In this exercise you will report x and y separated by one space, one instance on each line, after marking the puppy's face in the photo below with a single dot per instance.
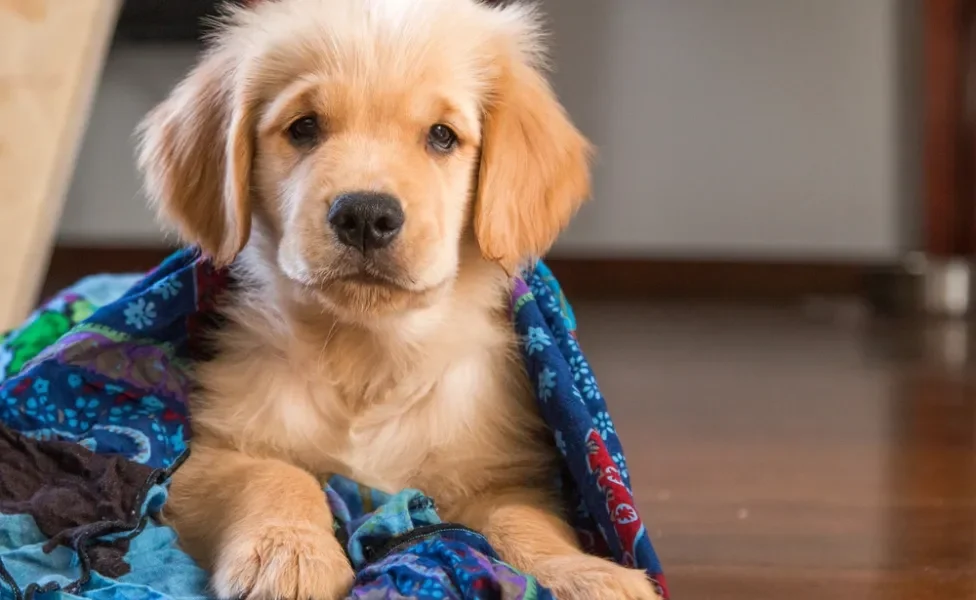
366 179
368 141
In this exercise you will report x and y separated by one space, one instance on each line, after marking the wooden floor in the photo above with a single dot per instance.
782 453
794 454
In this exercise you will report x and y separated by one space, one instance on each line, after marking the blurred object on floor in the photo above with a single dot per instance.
50 57
948 199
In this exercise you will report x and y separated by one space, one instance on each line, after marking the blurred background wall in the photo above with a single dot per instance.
747 129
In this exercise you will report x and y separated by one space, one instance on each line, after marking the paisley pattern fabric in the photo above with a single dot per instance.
104 364
604 512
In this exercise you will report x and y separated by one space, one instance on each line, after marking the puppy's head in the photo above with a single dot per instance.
368 141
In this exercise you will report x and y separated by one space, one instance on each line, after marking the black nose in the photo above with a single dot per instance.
366 220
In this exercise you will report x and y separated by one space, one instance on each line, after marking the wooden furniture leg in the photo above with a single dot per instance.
51 53
948 203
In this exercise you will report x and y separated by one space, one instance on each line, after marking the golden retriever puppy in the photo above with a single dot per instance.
375 170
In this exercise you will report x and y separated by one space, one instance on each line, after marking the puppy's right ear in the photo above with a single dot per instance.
195 154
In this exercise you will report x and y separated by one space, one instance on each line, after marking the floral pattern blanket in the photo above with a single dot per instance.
93 421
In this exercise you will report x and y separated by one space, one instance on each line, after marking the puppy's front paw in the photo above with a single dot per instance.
300 562
592 578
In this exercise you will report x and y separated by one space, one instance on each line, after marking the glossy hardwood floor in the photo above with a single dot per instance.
795 453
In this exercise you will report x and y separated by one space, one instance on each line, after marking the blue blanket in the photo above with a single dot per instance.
93 421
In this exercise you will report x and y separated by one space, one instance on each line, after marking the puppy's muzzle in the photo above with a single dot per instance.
366 220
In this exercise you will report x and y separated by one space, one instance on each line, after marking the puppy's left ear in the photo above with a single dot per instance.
534 171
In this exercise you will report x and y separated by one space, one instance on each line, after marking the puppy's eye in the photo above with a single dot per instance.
305 131
442 138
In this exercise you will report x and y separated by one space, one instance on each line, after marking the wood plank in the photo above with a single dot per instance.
51 52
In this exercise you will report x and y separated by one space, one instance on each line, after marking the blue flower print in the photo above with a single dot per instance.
87 406
537 340
174 440
41 385
167 288
431 588
140 314
621 465
590 389
577 395
553 305
579 367
574 347
84 409
177 441
75 418
560 442
39 408
117 413
74 380
9 406
538 287
603 424
547 383
151 403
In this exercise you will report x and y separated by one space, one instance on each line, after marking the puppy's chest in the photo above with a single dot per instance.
380 432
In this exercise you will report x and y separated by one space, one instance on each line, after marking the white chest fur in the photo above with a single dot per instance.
380 424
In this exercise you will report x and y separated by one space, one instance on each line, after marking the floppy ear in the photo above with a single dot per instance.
534 168
195 155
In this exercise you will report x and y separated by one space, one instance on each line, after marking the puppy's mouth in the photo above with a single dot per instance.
366 278
366 273
357 286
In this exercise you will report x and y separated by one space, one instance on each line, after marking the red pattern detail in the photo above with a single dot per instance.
662 586
22 385
620 502
209 282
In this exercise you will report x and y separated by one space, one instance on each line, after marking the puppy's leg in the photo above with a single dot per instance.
262 526
525 530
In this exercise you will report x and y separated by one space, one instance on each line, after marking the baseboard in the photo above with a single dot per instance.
584 278
726 280
69 263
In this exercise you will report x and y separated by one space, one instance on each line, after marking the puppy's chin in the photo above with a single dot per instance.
360 299
355 291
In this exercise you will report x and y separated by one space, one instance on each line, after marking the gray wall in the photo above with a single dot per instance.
732 127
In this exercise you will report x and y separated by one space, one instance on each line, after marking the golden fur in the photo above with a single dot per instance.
397 372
